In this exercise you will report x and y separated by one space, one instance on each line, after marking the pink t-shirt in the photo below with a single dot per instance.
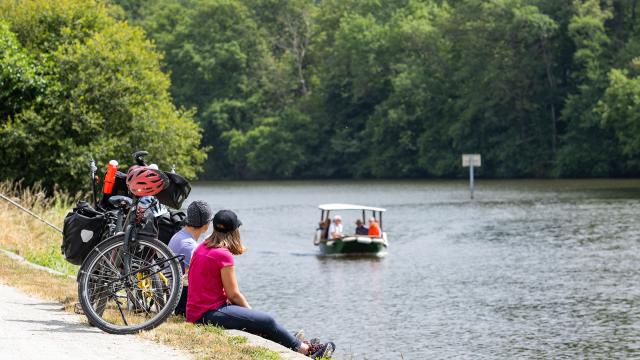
205 282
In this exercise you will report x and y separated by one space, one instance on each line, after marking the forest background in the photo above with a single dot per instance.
265 89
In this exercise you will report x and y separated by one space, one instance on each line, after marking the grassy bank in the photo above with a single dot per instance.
40 244
28 237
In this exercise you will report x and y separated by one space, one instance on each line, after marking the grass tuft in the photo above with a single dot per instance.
237 340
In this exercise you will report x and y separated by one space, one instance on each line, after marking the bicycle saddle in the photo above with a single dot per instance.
120 201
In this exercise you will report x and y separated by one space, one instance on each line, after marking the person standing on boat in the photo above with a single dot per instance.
184 242
335 229
360 228
374 228
214 296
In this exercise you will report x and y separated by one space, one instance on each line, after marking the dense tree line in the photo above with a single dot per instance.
320 88
78 81
401 88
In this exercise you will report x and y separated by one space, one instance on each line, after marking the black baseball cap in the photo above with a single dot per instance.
226 221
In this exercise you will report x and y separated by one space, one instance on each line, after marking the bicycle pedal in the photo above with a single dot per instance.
77 308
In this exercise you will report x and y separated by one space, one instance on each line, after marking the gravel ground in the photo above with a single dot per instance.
32 328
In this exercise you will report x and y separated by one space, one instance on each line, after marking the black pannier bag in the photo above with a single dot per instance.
169 224
81 232
176 193
148 227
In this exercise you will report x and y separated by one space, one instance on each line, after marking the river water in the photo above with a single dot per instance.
542 269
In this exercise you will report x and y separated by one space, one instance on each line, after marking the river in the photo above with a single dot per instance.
544 269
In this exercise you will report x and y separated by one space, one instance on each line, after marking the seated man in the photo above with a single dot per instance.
335 230
199 216
360 228
374 228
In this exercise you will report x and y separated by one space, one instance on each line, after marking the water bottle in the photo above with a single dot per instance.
110 177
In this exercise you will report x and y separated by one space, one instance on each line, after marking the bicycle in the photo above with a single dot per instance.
130 281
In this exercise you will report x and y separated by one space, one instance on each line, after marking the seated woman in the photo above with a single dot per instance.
214 297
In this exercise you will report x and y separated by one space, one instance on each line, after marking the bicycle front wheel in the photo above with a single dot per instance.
125 302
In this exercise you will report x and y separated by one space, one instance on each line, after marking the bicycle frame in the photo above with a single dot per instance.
130 233
130 238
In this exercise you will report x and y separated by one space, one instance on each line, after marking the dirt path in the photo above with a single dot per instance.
32 328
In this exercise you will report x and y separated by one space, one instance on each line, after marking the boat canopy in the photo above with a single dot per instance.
332 207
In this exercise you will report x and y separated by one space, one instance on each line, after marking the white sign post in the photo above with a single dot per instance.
471 160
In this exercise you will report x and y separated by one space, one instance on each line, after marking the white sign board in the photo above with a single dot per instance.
471 159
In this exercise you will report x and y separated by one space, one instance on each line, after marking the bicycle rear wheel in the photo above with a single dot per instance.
124 303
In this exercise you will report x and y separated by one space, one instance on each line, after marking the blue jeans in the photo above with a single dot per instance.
252 321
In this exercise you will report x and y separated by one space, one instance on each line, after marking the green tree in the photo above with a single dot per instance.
620 109
502 85
277 145
290 29
355 78
104 95
407 134
21 78
219 63
589 149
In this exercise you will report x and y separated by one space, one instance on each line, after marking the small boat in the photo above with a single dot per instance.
350 243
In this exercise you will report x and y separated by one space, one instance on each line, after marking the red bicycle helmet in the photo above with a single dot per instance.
143 181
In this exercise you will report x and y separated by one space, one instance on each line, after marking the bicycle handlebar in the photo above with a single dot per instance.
138 157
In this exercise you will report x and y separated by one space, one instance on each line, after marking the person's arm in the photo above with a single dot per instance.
187 251
230 284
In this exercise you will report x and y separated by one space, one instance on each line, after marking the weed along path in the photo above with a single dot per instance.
34 328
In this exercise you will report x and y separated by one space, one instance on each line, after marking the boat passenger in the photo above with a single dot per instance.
335 230
214 296
374 228
324 227
199 215
360 228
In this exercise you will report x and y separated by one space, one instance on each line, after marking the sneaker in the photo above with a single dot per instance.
299 335
312 341
318 351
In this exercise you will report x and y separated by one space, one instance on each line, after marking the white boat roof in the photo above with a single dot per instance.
349 207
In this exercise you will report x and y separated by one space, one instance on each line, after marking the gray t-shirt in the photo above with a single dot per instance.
182 243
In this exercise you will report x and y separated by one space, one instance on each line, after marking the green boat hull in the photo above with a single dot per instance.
353 248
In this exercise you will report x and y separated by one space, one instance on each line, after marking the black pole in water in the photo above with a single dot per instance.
471 179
